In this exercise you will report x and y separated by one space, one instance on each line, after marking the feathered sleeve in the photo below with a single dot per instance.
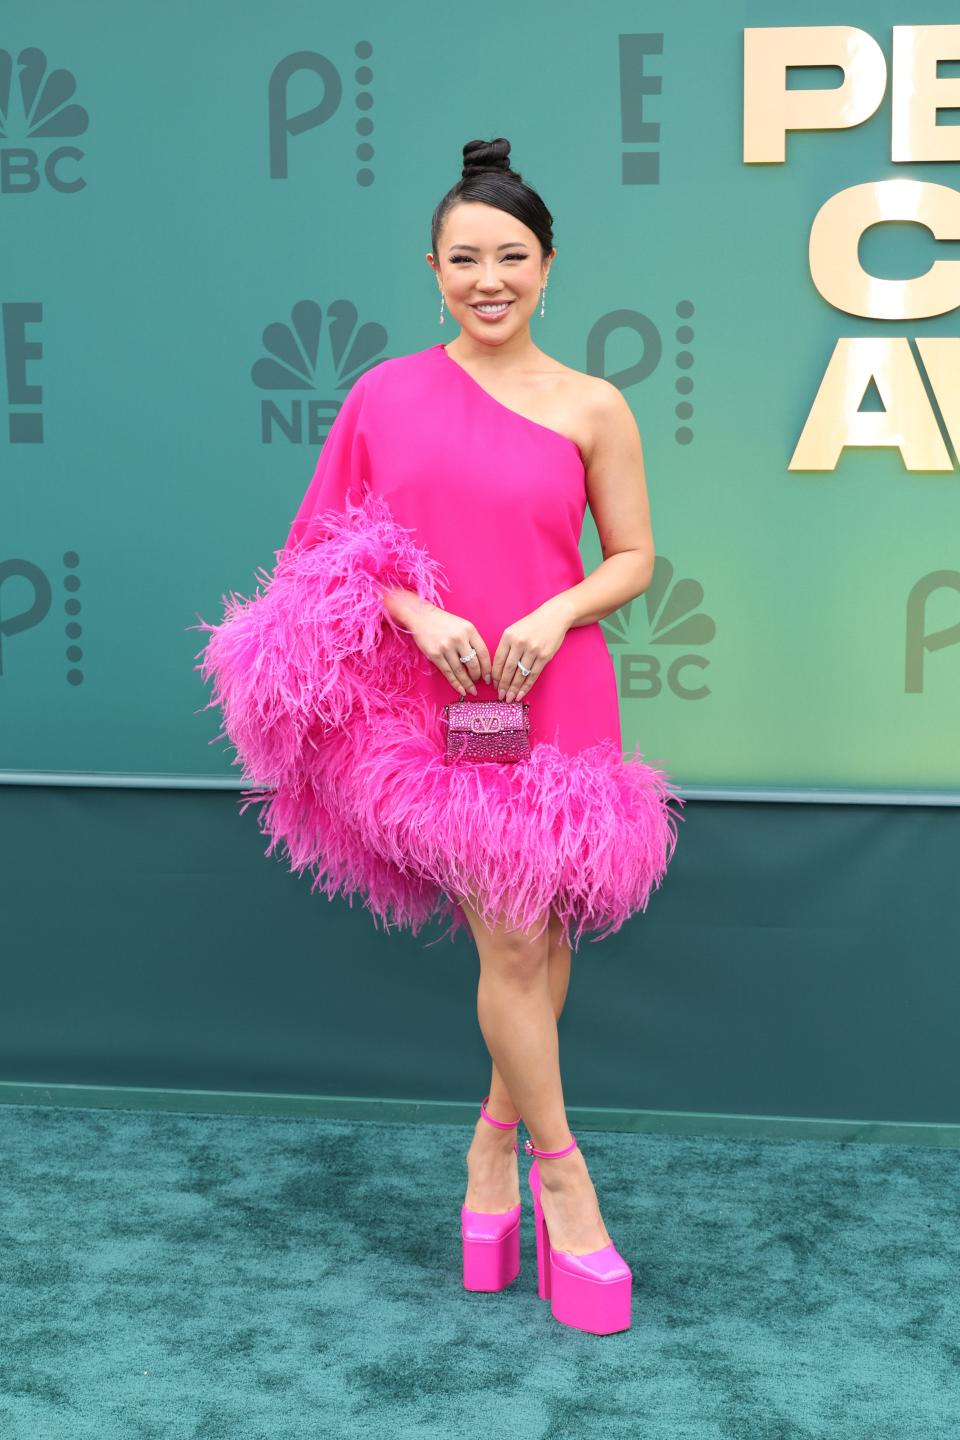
316 645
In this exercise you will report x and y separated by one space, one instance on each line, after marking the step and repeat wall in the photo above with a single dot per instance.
213 218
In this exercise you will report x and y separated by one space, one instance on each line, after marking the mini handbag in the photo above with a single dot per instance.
487 730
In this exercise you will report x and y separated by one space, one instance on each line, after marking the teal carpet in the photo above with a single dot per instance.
191 1277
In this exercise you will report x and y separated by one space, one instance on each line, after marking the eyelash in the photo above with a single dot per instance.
458 258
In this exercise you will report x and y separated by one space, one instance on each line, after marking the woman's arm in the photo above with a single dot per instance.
404 606
617 495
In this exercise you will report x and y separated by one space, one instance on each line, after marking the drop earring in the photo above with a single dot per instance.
542 294
442 298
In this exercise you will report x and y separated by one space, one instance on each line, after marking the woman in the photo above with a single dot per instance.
436 550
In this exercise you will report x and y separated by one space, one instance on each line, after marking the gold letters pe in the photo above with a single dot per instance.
770 110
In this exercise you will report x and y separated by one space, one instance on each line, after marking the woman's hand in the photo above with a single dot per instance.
443 637
535 639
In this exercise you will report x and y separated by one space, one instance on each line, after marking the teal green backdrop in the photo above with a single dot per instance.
166 223
182 183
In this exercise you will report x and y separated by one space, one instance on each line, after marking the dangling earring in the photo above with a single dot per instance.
442 298
542 293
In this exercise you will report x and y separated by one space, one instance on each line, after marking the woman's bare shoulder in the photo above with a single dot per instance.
595 406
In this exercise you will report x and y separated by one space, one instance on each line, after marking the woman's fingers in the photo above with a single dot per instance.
445 639
513 683
464 675
449 665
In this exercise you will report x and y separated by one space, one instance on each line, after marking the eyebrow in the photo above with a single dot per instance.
507 244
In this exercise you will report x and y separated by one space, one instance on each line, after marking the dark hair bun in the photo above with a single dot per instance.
486 155
489 179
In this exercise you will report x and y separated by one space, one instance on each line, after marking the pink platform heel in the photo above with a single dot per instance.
590 1292
491 1242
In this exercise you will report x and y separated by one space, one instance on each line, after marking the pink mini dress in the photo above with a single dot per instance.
427 482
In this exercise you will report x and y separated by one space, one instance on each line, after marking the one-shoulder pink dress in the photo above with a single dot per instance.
427 482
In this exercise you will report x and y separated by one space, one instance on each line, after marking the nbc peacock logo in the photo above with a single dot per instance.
37 107
674 618
309 367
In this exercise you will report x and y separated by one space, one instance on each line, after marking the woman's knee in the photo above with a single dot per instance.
516 959
515 953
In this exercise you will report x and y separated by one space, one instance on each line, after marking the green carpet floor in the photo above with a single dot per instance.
191 1277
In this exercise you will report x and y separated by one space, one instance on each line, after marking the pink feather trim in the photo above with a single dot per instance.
587 835
300 658
316 695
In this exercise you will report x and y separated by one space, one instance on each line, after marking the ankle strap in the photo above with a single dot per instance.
500 1124
549 1154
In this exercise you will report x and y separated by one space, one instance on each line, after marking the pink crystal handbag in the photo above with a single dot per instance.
487 730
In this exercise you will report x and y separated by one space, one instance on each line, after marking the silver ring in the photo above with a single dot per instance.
470 655
523 669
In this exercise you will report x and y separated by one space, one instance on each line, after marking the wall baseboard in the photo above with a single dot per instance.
453 1112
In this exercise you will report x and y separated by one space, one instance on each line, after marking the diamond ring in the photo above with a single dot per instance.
523 669
470 655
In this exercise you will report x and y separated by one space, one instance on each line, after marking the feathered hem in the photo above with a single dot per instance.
587 836
315 683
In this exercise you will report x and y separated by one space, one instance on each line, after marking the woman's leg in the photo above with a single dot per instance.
500 1104
493 1181
519 1024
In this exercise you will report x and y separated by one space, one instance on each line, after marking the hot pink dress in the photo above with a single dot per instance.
426 481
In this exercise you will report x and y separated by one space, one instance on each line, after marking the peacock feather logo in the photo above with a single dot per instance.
673 610
293 358
45 98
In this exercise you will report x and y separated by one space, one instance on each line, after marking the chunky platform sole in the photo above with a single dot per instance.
491 1243
590 1292
491 1249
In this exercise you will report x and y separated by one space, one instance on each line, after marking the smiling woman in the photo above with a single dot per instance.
436 553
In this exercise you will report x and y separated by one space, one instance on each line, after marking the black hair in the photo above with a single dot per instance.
487 179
